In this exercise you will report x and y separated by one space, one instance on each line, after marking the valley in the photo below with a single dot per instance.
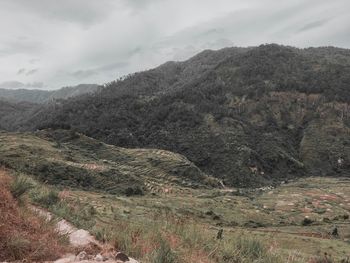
131 197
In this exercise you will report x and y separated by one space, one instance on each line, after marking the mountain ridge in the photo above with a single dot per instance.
248 116
44 96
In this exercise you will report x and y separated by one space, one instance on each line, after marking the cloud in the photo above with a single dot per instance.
27 72
74 41
32 71
313 25
21 71
11 85
21 45
83 12
19 85
80 74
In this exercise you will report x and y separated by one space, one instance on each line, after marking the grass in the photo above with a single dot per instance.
187 222
24 235
44 197
20 186
180 224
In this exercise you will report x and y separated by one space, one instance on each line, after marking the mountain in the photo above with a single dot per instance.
249 116
42 96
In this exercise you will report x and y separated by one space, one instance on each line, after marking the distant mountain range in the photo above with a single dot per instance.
249 116
42 96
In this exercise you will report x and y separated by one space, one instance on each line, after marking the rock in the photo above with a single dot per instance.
121 257
81 238
99 258
66 259
82 256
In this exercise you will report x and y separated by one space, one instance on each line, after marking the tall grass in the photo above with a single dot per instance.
20 186
24 235
44 197
169 239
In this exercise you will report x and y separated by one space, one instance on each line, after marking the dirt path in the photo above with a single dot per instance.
81 240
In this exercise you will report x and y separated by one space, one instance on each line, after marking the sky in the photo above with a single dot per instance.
48 44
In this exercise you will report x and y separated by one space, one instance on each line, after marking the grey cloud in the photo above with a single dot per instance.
32 71
34 60
21 71
112 66
313 25
90 72
19 85
23 46
80 74
11 85
98 41
27 72
77 11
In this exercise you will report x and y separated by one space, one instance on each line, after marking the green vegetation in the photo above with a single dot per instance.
68 159
20 186
44 197
177 219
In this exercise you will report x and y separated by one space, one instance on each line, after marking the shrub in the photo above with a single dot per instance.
307 221
20 186
45 197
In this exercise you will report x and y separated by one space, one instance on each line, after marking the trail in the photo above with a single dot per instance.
83 241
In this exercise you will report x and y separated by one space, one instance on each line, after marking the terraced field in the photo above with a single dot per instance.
277 215
73 160
117 192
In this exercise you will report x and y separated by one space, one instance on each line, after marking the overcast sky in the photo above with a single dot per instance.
48 44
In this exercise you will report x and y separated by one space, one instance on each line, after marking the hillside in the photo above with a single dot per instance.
155 205
68 159
249 116
24 235
42 96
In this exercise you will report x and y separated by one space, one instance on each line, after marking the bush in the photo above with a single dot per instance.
45 198
20 186
307 221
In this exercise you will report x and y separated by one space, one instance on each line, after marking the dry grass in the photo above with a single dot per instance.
23 235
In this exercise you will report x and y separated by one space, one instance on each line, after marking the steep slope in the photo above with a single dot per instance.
24 235
249 116
42 96
68 159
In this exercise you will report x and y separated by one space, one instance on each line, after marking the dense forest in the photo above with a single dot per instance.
249 116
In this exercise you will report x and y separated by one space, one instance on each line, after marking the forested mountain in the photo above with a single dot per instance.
249 116
42 96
